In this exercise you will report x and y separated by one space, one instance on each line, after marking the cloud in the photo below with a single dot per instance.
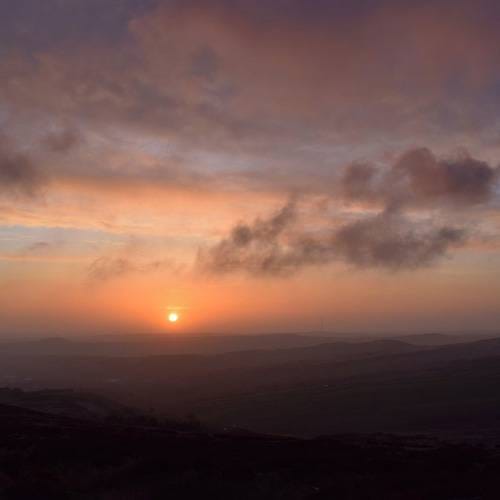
392 241
38 246
359 181
62 141
395 238
247 74
248 96
419 178
109 268
278 247
18 175
462 180
255 247
245 94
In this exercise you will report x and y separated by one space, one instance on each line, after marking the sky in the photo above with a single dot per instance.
253 166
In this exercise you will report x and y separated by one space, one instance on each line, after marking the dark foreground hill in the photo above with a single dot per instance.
64 402
56 457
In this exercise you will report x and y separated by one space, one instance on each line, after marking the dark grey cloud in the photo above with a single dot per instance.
462 180
392 241
278 247
256 248
358 182
18 174
419 178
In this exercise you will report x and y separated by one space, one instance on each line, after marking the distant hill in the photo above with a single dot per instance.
385 385
149 345
441 339
144 345
64 371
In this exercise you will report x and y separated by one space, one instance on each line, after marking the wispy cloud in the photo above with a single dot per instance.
107 268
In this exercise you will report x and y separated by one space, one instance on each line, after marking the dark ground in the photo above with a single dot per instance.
53 457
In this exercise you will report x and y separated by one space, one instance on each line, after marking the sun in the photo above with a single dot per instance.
173 317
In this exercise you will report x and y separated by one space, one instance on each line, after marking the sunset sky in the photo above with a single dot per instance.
253 166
